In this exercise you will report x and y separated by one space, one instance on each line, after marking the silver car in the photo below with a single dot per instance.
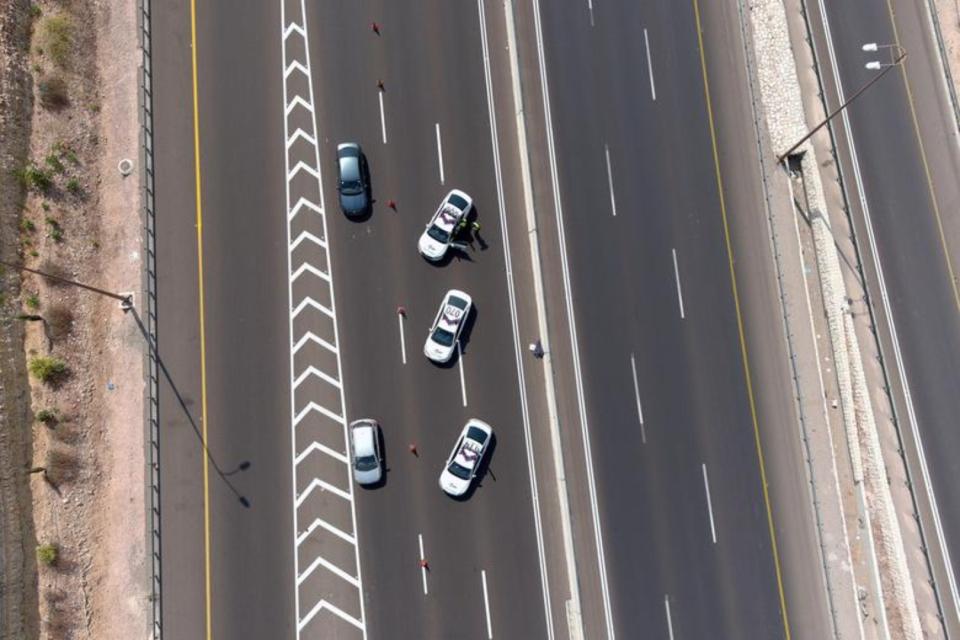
365 451
352 179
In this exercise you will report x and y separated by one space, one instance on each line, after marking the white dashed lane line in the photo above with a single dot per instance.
706 488
486 603
613 199
328 587
439 152
636 393
676 273
653 88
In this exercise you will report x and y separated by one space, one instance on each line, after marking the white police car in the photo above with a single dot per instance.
441 229
447 326
465 458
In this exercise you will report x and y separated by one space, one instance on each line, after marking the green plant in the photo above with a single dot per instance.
27 226
35 178
45 206
66 151
48 553
53 92
58 36
34 253
56 233
73 186
48 369
49 417
59 321
53 161
35 11
32 301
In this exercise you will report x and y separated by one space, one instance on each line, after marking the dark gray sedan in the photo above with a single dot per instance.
353 183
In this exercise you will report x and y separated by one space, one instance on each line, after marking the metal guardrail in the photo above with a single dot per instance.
149 282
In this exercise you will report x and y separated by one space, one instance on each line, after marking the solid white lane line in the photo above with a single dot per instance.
439 152
574 344
463 382
423 565
486 604
653 89
518 350
676 273
636 392
706 486
613 200
590 9
403 342
383 119
666 605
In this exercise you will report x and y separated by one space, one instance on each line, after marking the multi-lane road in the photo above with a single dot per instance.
901 165
280 322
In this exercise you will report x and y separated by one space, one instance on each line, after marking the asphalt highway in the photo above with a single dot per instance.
245 317
679 498
678 480
430 59
904 130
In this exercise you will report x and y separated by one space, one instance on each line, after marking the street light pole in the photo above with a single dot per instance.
126 303
843 106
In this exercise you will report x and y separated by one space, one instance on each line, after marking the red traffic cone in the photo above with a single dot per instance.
424 564
413 450
375 28
380 85
402 311
392 204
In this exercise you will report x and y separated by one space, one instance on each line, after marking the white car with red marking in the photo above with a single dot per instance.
446 327
465 458
442 228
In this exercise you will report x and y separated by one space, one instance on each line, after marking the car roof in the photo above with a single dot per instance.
348 149
447 217
363 435
468 453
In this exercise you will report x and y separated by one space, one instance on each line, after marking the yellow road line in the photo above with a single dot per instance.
926 165
203 345
743 341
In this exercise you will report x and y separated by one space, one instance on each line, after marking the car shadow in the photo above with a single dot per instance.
482 472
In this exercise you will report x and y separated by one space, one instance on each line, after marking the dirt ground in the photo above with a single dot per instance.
81 220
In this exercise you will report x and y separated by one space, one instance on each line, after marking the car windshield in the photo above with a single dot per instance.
438 234
366 463
442 337
459 470
351 187
458 202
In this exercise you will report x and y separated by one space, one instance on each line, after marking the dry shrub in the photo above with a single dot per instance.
56 270
62 466
59 321
57 621
53 92
58 38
